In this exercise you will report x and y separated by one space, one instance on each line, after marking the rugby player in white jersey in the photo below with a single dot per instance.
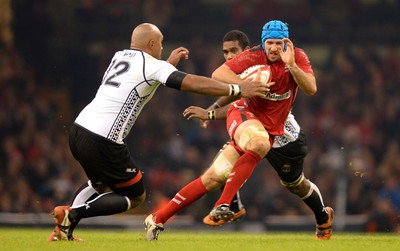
96 139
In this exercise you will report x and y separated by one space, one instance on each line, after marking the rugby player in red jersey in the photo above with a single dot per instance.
253 124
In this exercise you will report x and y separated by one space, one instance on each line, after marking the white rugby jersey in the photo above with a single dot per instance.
128 84
291 131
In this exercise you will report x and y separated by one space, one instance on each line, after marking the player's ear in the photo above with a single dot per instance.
151 44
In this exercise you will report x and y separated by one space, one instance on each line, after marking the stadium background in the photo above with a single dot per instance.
53 55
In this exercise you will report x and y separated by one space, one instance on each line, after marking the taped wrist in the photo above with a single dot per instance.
235 90
211 115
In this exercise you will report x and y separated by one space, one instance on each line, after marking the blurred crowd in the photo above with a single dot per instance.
53 55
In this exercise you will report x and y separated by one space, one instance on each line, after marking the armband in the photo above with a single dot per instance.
234 90
175 79
211 115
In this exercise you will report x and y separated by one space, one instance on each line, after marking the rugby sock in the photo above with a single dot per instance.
314 201
235 203
186 196
85 193
104 204
241 171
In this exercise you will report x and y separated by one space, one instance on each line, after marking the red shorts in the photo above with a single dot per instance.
237 115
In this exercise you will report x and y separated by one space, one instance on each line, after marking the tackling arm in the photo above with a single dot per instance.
221 101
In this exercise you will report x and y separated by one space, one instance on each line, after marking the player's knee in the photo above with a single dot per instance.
216 175
99 187
255 138
300 187
136 201
135 193
259 145
211 182
222 166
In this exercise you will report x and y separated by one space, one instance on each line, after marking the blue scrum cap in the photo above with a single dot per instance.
274 29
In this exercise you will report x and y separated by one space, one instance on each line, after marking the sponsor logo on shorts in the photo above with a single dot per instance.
286 168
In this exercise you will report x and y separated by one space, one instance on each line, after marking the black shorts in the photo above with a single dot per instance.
106 162
288 160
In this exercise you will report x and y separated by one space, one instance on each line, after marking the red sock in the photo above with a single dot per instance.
241 171
186 196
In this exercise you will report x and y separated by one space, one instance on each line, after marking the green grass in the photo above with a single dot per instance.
175 240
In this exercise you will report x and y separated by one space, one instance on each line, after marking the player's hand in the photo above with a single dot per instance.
255 87
195 112
178 54
287 56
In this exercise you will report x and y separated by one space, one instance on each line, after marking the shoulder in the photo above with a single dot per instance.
300 52
152 63
257 55
257 49
246 59
301 55
158 69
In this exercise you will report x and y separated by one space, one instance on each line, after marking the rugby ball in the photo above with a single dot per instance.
251 73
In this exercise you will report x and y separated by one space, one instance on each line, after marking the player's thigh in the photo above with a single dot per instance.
107 162
243 125
121 173
288 160
288 169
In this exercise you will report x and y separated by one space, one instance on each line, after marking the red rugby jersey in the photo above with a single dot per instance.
272 110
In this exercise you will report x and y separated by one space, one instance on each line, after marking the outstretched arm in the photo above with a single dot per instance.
211 87
225 74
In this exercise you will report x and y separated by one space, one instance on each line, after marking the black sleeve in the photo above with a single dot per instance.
175 79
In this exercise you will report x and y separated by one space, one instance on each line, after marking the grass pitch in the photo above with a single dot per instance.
175 240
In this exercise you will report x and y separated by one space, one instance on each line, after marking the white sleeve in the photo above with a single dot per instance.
158 70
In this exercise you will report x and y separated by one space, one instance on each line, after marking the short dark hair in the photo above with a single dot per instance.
237 35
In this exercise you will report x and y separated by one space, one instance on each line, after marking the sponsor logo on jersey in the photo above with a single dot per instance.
277 97
129 54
